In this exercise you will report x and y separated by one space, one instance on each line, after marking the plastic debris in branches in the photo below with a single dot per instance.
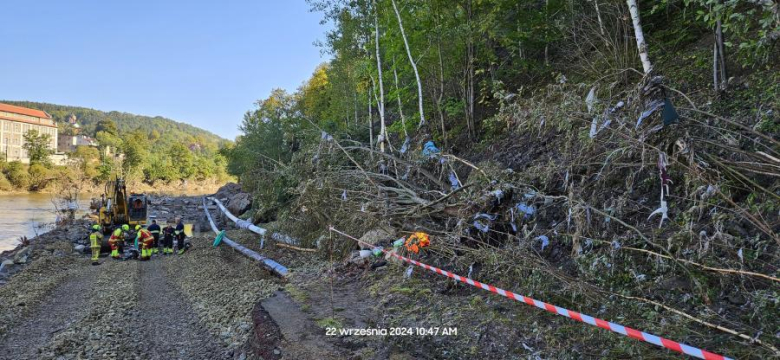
491 217
454 182
663 211
430 150
591 99
669 114
544 239
528 211
344 195
651 108
405 146
498 193
481 227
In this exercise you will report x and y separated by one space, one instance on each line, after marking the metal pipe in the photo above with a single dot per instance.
270 264
243 224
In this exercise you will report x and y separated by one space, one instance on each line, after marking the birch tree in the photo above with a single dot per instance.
381 103
633 8
414 64
400 103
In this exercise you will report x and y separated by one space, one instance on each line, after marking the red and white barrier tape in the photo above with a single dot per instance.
620 329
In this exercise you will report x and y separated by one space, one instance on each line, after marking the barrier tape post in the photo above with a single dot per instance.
620 329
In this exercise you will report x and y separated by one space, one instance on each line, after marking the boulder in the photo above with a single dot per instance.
375 236
21 256
79 248
239 204
228 191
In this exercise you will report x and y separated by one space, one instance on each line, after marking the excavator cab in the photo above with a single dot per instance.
137 210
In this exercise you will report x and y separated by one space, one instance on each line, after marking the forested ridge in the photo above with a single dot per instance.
615 157
89 119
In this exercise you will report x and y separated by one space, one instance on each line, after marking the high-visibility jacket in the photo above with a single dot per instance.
117 235
95 239
145 238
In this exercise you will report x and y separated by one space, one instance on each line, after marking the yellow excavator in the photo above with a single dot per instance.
117 208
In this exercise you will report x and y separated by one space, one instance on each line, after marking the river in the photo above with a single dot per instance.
28 215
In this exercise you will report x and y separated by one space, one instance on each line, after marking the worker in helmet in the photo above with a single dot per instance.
155 230
180 236
95 238
168 234
117 240
145 241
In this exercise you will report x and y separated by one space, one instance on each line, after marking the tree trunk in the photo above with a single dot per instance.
441 96
469 105
715 82
381 104
721 55
633 8
356 107
414 65
598 15
400 103
370 120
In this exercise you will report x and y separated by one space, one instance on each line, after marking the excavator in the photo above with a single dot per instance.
117 208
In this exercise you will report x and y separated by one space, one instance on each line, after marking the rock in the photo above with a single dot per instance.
277 352
376 235
22 254
239 204
228 190
79 248
6 263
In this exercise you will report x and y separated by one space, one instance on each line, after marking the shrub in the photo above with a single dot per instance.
5 185
16 174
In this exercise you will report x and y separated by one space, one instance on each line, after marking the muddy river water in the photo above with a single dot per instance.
28 215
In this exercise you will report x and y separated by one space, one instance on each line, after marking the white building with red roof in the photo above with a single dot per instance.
15 121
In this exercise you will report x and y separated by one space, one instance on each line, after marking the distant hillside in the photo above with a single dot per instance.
125 122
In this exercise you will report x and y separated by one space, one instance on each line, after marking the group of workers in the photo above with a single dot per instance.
146 240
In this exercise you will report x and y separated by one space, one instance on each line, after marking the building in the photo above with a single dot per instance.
68 143
15 121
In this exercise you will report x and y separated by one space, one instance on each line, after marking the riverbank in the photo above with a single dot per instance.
192 187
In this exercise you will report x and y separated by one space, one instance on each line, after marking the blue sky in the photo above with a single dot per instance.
203 62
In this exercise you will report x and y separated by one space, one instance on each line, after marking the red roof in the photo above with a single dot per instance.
24 111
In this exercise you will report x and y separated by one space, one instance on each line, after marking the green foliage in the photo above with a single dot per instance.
15 173
108 126
37 147
748 28
5 185
136 152
39 176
